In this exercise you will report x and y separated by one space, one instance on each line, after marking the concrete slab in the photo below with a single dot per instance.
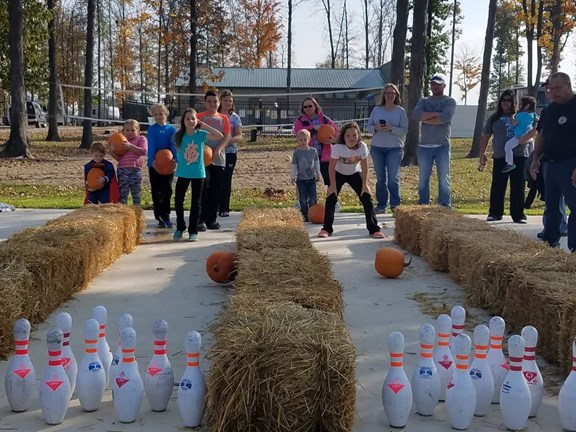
164 279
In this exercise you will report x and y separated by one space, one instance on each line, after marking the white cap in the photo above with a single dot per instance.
438 78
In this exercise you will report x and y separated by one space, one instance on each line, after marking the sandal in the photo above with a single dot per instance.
378 235
323 234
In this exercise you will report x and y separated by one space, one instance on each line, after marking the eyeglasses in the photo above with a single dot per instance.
307 106
507 100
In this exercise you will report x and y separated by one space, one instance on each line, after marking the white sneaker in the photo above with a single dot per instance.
337 208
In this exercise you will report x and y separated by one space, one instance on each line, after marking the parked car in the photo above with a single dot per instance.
35 114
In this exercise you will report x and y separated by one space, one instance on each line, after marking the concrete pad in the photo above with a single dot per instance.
166 279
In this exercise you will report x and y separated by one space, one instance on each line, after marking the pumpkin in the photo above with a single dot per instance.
221 266
117 141
207 155
325 133
92 179
389 262
164 164
316 214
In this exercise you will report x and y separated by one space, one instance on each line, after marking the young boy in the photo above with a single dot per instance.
523 122
100 195
305 172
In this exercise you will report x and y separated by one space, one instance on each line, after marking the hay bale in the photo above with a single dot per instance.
280 368
261 219
282 237
408 224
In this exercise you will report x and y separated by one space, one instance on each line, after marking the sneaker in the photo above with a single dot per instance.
192 237
323 234
521 221
493 218
338 207
177 235
540 235
168 223
213 226
508 168
378 235
161 224
224 214
202 226
380 210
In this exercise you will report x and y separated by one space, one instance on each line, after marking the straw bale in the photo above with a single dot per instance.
408 221
264 218
302 276
280 368
281 237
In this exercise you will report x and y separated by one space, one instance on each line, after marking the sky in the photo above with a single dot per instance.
311 45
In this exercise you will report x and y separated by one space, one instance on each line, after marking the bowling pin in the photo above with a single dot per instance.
192 388
128 387
515 399
458 316
567 397
480 371
531 370
100 314
426 380
64 323
91 378
54 385
442 355
20 378
124 320
159 380
496 358
461 393
396 391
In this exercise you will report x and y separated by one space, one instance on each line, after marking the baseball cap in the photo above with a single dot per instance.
438 78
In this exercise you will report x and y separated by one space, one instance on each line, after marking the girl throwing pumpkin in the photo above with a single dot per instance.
349 164
190 140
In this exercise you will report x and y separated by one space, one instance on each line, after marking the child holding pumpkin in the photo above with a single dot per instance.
190 140
133 148
99 175
160 137
349 164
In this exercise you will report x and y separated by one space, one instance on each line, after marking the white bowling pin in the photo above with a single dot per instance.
496 358
64 323
458 316
515 399
54 386
396 391
91 378
124 320
159 380
100 314
128 387
426 380
192 388
480 371
531 370
442 355
20 378
461 393
567 397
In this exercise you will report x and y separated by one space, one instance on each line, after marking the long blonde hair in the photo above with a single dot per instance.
397 98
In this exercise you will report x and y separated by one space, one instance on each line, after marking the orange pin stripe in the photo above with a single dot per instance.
195 356
479 356
91 350
461 366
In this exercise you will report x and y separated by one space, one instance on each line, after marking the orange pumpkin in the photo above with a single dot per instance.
164 164
117 141
92 179
207 155
316 214
325 133
221 266
389 262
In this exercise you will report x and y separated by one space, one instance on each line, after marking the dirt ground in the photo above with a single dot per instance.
62 163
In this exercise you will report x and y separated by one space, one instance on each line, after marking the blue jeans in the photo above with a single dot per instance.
306 195
387 166
564 223
426 158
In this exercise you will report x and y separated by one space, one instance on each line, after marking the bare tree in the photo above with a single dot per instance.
193 50
485 80
417 71
88 76
366 22
468 63
326 4
53 134
17 145
399 44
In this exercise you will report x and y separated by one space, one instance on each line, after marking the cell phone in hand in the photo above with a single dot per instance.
383 122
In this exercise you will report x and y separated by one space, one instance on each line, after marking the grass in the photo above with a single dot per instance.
470 188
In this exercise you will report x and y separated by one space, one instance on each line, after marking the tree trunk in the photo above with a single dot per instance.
289 65
193 51
529 12
88 76
415 87
454 10
399 45
539 53
485 79
366 30
328 10
53 134
17 145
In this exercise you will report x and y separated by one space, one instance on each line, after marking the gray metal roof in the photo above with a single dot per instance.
275 78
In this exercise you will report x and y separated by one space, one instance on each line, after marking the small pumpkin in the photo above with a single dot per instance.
390 262
117 141
92 179
164 164
221 266
207 155
325 133
316 214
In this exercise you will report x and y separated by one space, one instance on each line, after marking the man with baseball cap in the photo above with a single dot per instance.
435 113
